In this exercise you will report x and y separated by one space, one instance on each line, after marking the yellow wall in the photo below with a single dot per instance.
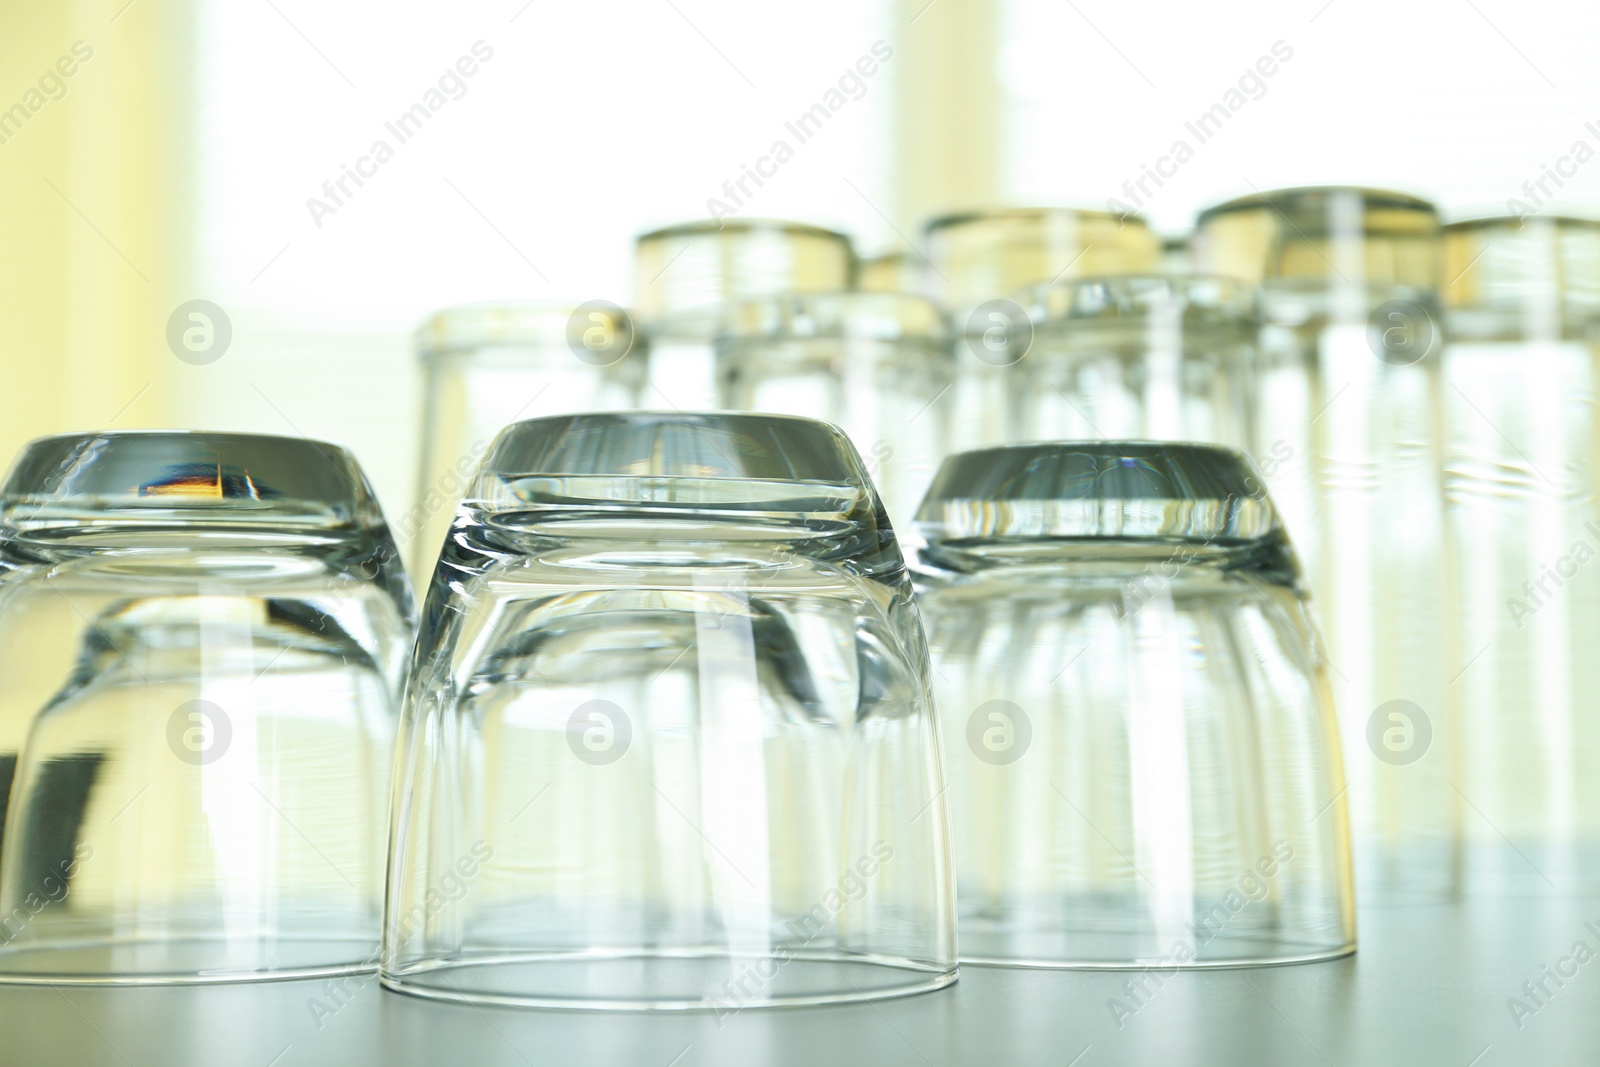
948 111
93 188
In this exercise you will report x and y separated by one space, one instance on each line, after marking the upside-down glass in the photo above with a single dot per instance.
487 365
892 272
877 364
1140 740
668 741
1350 426
979 260
202 642
685 277
1148 357
1522 343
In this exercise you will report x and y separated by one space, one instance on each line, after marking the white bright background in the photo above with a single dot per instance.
595 121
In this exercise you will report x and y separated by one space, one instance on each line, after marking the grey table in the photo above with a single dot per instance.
1431 985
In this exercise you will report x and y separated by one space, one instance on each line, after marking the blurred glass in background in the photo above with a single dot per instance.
488 365
979 261
877 364
687 276
1349 398
1523 338
1140 357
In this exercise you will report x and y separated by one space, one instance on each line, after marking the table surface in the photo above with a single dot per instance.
1432 984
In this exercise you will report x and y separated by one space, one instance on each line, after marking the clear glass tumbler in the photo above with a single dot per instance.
977 262
1349 430
891 272
1145 357
1522 345
685 277
877 364
202 640
487 365
1143 756
668 739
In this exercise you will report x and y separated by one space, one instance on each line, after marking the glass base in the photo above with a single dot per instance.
1128 951
184 962
718 983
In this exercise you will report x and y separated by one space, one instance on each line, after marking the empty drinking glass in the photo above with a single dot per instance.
1522 342
892 272
877 364
668 741
982 255
487 365
977 261
1141 744
685 276
202 641
1147 357
1350 420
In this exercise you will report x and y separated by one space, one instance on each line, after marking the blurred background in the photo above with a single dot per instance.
179 159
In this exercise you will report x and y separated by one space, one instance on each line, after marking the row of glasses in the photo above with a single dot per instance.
1421 398
1317 342
668 735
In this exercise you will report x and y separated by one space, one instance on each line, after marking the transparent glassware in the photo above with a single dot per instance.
1141 744
1146 357
1349 433
202 638
879 365
892 272
977 262
1175 257
488 365
1522 341
668 739
685 277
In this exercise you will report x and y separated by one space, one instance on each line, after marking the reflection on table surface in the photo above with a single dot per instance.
1434 983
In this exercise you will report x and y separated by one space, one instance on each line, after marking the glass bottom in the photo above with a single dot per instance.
638 981
1111 950
190 961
